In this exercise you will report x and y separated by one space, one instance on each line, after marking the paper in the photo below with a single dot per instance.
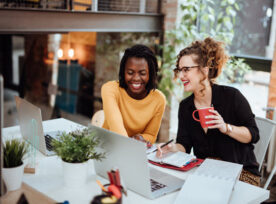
178 159
220 169
199 189
151 149
214 181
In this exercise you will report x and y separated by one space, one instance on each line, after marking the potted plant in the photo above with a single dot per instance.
14 151
75 149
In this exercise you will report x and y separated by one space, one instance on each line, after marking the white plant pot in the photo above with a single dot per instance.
74 174
13 177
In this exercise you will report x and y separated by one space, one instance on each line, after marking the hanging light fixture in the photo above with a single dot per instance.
60 53
71 53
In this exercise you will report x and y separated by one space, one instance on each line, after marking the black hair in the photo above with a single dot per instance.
140 51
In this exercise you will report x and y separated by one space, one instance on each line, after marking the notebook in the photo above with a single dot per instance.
129 156
214 181
178 159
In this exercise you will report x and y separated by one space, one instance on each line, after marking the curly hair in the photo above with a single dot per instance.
140 51
209 53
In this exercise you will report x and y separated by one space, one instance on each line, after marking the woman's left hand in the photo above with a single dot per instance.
217 120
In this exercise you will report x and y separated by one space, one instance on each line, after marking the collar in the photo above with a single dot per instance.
215 97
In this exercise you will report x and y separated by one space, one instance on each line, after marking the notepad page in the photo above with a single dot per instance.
199 189
152 157
220 169
212 182
177 159
151 149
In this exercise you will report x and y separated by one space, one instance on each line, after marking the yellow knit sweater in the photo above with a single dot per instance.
128 116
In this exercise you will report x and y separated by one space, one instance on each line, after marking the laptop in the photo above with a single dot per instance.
129 156
30 121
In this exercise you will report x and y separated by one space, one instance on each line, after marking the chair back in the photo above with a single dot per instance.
98 118
266 130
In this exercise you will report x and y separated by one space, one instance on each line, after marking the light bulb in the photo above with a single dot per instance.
60 53
71 53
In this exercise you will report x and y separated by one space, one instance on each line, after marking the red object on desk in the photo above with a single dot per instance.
184 168
115 191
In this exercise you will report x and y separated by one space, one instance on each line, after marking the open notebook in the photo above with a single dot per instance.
212 182
178 159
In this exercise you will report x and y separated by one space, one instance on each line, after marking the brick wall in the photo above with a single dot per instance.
35 69
272 84
169 9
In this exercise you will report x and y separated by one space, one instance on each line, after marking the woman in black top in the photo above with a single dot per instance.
234 131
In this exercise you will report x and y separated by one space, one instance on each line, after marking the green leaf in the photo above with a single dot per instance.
237 6
14 150
77 146
231 1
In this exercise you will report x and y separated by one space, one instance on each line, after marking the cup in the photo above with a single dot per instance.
202 112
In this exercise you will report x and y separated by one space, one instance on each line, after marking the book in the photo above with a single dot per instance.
214 181
178 159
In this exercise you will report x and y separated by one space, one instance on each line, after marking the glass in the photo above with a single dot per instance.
184 69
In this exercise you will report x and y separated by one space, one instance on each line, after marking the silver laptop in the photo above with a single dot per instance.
30 121
129 156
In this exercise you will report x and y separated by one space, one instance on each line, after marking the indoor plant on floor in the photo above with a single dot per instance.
14 150
75 149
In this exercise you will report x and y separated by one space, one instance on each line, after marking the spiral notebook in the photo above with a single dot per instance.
214 181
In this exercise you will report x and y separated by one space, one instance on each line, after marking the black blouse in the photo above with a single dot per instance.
235 110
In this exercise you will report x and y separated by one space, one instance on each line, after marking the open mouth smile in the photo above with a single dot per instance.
136 86
186 82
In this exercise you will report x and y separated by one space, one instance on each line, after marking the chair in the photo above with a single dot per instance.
270 177
98 118
266 130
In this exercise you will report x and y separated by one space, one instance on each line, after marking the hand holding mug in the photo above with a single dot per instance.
217 121
202 113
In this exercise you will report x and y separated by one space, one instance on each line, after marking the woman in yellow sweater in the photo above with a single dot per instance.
133 106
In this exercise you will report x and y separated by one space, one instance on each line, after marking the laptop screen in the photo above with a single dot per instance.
126 154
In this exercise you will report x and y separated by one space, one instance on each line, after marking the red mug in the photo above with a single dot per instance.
202 112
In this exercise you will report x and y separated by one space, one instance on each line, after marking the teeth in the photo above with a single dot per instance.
136 85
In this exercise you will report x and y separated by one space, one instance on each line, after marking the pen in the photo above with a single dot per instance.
101 185
163 145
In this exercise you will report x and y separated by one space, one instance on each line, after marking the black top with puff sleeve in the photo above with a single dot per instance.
235 110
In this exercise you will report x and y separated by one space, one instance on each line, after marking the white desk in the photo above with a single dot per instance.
48 177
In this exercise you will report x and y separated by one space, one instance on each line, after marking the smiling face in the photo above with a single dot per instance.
190 75
136 77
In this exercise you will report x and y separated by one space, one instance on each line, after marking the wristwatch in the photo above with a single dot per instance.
228 128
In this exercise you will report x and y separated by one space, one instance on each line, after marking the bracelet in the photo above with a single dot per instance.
228 128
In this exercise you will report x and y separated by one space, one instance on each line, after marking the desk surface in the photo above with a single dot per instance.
48 177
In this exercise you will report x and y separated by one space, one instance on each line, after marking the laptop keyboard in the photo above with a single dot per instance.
48 140
156 185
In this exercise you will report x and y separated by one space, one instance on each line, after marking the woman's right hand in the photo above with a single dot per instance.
164 150
172 147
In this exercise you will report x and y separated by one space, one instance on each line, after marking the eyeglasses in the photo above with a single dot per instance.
184 69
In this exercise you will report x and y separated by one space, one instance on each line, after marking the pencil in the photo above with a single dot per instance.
163 145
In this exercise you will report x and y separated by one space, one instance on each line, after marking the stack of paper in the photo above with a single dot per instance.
212 182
